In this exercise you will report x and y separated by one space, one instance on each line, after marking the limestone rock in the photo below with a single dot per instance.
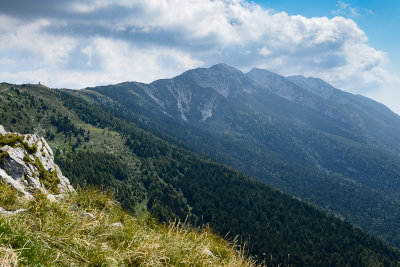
28 165
117 224
6 212
207 252
88 215
2 130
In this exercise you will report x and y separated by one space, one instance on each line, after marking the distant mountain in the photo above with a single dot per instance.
325 146
377 119
376 123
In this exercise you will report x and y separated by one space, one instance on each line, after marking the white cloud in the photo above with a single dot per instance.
265 51
341 8
148 39
26 44
119 62
88 51
345 9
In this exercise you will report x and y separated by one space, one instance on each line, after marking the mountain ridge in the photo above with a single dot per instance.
328 147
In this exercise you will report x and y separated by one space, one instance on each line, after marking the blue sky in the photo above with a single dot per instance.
379 19
78 43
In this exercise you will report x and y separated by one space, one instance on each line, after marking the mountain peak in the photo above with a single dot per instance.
261 71
223 66
224 79
314 85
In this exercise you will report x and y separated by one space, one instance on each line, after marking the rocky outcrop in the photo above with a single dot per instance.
27 164
6 212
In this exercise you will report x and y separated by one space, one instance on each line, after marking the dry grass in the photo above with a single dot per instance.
9 197
8 257
64 234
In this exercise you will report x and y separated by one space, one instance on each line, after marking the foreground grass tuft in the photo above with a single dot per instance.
10 198
91 229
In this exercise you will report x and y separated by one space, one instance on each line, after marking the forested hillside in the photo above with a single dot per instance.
335 150
99 141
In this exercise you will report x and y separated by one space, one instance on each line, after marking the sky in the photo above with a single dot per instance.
352 44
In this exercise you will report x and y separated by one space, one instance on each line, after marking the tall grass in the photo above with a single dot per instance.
65 233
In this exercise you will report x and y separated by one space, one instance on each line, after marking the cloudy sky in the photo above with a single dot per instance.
352 44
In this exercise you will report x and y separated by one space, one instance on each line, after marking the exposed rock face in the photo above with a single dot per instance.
27 163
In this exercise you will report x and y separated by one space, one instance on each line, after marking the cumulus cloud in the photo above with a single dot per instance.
85 43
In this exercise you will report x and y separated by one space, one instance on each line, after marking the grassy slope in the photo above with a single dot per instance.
36 118
56 234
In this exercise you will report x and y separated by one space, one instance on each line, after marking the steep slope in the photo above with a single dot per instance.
85 227
97 142
290 137
342 121
377 125
91 229
285 88
374 118
374 124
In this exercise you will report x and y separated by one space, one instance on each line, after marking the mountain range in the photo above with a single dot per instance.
156 145
328 147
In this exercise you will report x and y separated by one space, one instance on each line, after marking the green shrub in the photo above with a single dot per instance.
49 179
13 140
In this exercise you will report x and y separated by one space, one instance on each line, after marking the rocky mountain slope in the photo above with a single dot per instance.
328 147
376 123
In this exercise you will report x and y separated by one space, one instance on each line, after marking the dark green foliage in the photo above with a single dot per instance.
87 113
166 202
63 123
275 224
3 154
103 170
